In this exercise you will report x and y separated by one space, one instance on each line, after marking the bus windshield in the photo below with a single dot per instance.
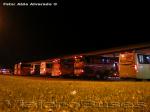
144 59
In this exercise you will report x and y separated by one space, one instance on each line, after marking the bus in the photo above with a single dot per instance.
58 67
134 65
22 69
95 66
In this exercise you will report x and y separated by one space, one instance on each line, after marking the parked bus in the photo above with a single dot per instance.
134 65
22 69
96 66
57 67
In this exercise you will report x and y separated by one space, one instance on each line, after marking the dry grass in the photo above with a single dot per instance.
21 94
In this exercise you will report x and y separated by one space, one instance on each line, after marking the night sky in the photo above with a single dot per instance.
34 33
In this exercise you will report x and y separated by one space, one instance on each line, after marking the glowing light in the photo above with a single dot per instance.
74 92
122 55
82 71
81 56
54 61
135 66
114 65
115 74
32 72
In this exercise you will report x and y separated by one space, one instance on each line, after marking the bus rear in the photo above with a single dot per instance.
127 65
56 68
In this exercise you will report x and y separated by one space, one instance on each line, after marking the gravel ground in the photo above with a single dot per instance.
27 94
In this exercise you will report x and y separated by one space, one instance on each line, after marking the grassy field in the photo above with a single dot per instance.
23 94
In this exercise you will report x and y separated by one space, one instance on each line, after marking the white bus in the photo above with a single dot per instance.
134 65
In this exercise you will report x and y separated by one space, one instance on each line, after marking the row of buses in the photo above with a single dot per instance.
77 66
99 65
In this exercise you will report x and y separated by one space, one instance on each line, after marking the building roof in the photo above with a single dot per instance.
137 47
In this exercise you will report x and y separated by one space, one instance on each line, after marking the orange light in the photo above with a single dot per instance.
115 74
82 71
59 73
122 55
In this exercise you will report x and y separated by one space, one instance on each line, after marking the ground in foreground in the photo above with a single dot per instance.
21 94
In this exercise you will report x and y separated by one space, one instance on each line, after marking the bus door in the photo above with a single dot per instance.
37 70
127 65
48 68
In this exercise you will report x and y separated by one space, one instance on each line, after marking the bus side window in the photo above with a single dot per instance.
148 59
144 59
140 57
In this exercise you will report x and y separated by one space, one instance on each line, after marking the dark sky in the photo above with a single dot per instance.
33 33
